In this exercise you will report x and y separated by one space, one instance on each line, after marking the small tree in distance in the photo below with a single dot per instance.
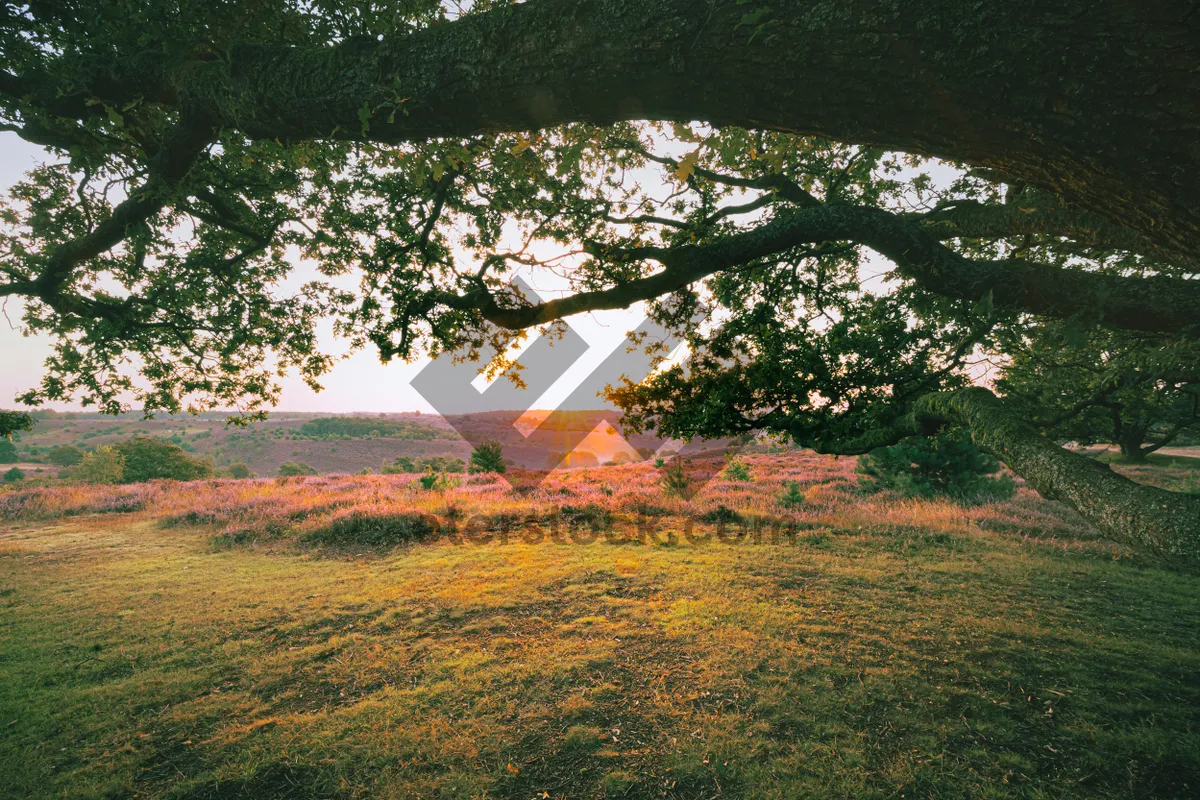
65 455
14 475
290 469
105 464
149 458
487 457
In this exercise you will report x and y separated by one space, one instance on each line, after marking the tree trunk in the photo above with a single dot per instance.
1132 438
1141 516
1095 100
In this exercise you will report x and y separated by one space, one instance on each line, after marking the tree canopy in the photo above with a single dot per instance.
226 176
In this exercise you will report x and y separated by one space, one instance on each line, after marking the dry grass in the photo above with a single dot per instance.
269 509
205 646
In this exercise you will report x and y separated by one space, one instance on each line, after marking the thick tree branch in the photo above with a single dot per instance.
1017 86
1131 513
1046 215
1157 304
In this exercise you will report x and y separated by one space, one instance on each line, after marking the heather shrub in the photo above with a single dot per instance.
721 515
947 465
592 515
119 504
643 509
372 530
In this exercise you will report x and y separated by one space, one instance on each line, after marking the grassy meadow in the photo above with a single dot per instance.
361 637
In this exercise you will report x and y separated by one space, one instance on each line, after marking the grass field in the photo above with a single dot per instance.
589 638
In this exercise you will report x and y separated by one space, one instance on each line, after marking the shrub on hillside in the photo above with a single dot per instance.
14 475
105 464
947 465
581 458
487 457
239 471
450 464
149 458
737 469
675 481
65 455
8 452
593 516
370 428
792 498
436 481
406 465
290 469
400 466
721 515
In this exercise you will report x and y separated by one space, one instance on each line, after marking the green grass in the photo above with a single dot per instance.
1156 460
141 661
1168 471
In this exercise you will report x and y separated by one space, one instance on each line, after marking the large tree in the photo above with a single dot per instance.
1095 385
401 152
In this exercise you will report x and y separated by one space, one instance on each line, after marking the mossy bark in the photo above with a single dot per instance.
1141 516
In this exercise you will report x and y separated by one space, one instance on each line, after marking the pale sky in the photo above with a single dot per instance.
360 383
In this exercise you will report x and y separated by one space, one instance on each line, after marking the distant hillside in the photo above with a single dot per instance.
327 443
346 443
371 428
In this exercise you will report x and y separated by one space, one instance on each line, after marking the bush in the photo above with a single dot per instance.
65 455
436 481
239 471
675 481
721 515
581 458
447 464
289 469
376 531
105 464
8 452
947 465
400 466
149 458
737 469
14 475
792 498
487 457
594 516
